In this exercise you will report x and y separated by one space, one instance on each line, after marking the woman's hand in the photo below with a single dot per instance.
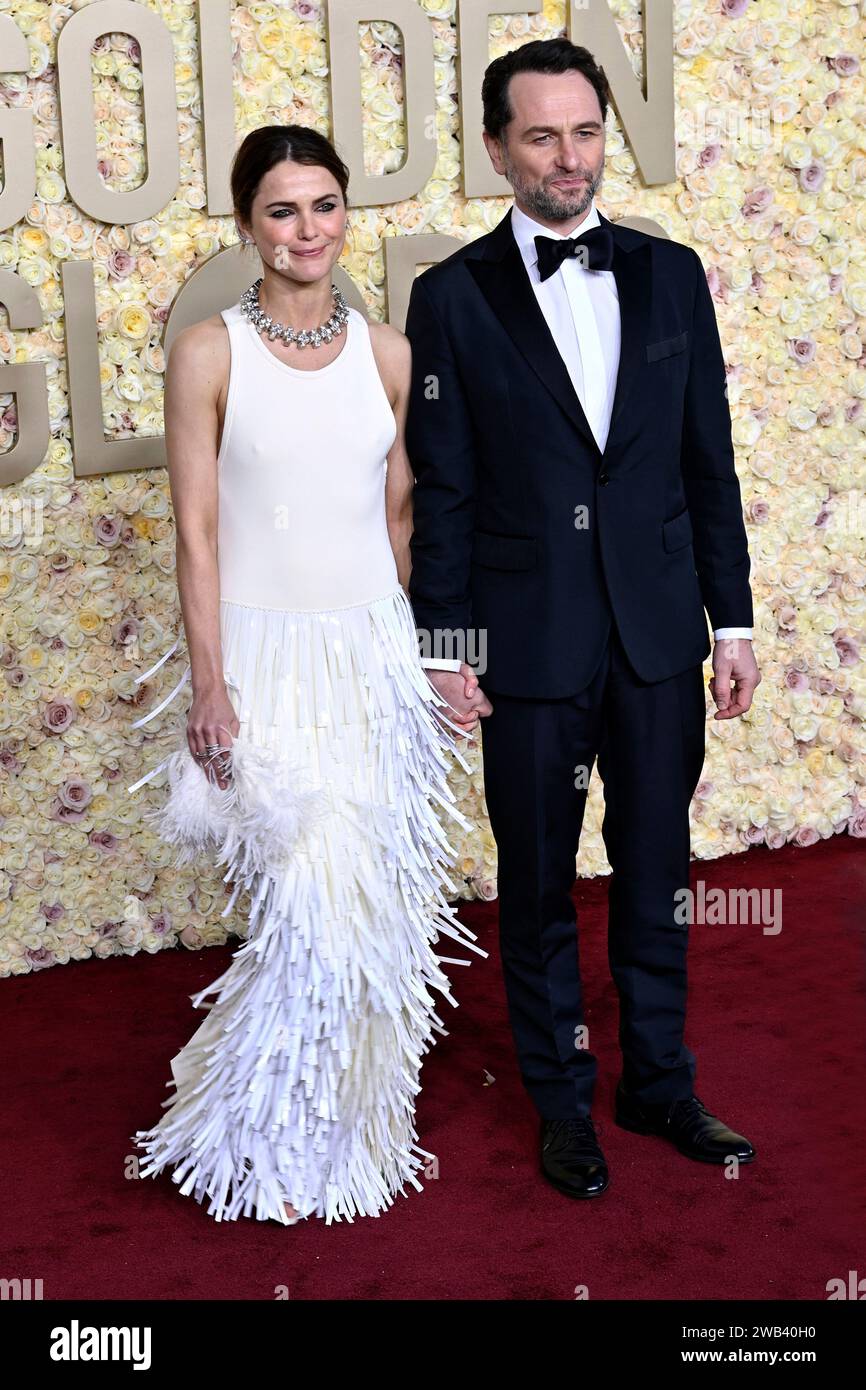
212 720
466 700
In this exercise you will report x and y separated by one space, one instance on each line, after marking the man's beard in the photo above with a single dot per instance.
555 206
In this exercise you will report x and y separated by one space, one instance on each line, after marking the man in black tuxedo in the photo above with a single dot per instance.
576 511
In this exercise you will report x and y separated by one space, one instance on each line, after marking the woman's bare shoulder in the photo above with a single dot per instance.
390 340
393 353
205 343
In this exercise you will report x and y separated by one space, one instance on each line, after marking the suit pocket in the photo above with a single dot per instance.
504 552
666 347
677 531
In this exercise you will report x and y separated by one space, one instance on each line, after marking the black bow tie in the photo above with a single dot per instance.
597 242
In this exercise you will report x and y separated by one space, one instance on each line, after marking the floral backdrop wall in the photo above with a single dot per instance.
771 191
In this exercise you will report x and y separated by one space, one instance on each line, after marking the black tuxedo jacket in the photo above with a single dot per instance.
505 462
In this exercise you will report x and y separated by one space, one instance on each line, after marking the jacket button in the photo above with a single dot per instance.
604 479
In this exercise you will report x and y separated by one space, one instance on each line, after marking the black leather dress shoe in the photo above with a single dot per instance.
571 1158
686 1123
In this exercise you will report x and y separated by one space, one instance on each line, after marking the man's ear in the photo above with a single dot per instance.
494 150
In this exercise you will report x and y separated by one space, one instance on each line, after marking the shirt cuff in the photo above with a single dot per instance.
440 663
720 632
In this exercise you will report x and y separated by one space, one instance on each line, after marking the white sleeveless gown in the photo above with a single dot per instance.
299 1085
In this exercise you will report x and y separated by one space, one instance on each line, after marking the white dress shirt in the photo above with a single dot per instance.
581 308
582 312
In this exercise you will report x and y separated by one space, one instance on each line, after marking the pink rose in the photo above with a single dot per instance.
849 652
52 912
41 959
734 9
58 716
846 64
775 839
75 794
709 156
120 263
15 677
104 839
796 680
190 938
805 836
61 560
486 888
759 510
161 924
853 411
812 176
857 823
107 530
802 350
757 201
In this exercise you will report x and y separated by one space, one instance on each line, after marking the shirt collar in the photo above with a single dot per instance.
526 229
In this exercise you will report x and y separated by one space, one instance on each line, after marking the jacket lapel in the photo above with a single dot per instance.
501 276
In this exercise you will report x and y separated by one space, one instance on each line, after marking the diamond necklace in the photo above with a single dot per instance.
263 323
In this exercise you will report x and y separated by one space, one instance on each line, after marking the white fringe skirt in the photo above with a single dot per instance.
299 1085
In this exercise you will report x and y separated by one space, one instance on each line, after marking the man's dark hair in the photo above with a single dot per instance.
541 55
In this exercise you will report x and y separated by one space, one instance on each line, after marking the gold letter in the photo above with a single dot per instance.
16 134
26 381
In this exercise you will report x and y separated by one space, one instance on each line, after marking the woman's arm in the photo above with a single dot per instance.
394 360
195 383
393 353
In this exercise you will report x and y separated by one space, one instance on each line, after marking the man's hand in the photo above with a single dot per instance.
734 665
466 699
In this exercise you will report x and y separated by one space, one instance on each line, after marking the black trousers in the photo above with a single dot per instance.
649 743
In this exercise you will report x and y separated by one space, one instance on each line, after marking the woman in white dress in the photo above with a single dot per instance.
314 759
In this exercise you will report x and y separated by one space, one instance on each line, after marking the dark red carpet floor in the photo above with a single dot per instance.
778 1024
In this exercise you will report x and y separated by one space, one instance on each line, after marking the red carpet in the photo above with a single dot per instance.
777 1024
